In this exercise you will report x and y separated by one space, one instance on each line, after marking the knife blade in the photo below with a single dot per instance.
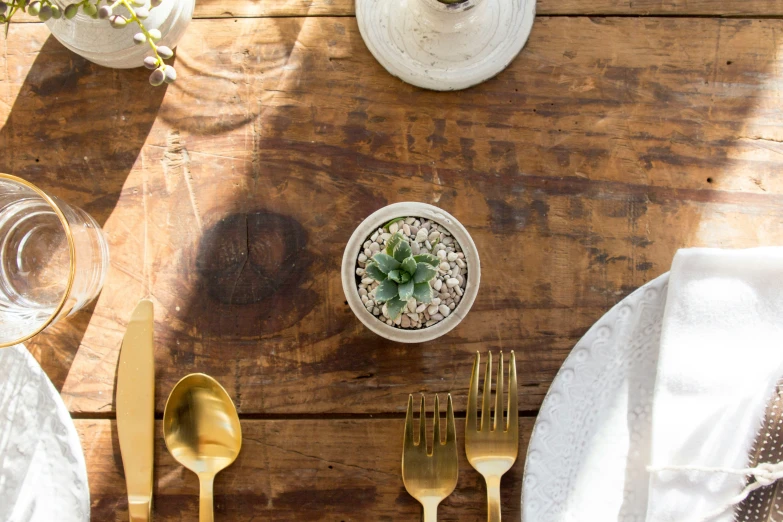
136 410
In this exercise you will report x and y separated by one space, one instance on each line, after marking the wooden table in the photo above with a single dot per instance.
624 131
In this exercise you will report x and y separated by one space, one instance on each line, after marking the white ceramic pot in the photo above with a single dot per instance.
100 43
445 47
374 222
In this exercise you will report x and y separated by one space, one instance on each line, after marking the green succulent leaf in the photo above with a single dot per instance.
405 276
372 270
390 223
422 292
395 306
385 291
427 258
424 272
409 265
402 251
405 291
394 275
392 243
386 262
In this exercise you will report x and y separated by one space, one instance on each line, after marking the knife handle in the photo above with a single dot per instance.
139 511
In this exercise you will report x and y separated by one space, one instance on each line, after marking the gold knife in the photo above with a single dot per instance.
136 410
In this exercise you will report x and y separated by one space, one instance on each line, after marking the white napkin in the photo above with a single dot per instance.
42 472
720 357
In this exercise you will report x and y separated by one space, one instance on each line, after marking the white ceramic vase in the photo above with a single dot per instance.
100 43
376 220
441 46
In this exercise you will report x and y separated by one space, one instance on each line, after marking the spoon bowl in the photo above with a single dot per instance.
202 432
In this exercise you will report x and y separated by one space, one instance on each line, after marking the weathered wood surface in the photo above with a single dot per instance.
336 470
607 145
239 8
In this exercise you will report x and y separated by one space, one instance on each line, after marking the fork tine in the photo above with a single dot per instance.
513 410
486 399
499 397
436 427
422 427
451 432
407 441
471 418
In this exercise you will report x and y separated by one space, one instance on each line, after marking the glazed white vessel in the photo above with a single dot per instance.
445 47
100 43
376 220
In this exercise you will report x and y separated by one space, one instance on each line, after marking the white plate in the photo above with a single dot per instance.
43 477
590 444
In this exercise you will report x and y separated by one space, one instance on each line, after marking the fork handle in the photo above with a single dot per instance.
430 510
493 499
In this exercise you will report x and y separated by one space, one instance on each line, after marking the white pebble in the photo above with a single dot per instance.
376 311
373 237
437 317
452 257
370 303
362 258
385 236
430 323
451 283
414 317
435 301
444 266
368 252
367 280
460 255
459 292
421 235
432 309
433 236
438 285
360 271
405 321
441 254
406 229
460 279
415 248
455 272
428 245
398 320
375 247
367 244
393 228
414 231
412 305
417 223
365 299
385 311
421 308
444 310
460 263
452 306
362 291
446 240
389 322
409 220
457 299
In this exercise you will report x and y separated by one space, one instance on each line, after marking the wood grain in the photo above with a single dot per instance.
607 145
344 470
764 8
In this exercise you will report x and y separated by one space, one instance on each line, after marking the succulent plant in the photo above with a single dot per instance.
401 275
137 10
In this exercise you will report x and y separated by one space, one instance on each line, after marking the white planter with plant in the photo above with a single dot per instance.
114 33
411 272
445 45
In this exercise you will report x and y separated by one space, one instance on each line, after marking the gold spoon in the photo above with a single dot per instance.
202 432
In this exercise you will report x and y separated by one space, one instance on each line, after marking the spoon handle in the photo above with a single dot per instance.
205 513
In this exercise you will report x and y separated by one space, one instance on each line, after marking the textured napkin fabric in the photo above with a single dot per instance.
720 357
43 477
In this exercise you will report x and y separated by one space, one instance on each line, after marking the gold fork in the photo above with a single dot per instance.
492 451
430 477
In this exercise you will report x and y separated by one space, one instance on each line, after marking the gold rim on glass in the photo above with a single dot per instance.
71 249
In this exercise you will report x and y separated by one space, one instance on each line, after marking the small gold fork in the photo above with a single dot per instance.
492 451
430 477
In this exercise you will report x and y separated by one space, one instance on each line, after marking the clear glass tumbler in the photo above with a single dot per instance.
53 260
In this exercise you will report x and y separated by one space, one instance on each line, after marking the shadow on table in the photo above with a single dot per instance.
75 130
